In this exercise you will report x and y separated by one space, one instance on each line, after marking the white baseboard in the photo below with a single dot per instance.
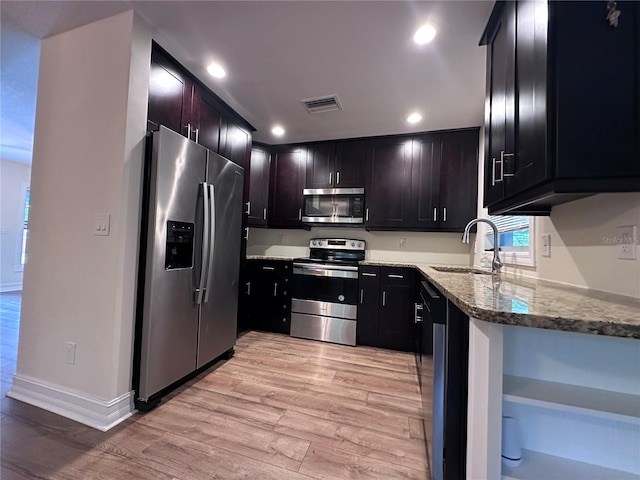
100 414
10 287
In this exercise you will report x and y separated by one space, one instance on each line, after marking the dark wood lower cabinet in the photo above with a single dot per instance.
266 293
368 305
385 310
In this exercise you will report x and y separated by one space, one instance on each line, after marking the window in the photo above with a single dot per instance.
516 235
25 228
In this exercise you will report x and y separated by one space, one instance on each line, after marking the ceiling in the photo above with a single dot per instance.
277 53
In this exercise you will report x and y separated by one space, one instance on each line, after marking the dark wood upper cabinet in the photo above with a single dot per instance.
336 164
179 101
425 182
235 144
259 186
320 165
458 199
205 121
387 194
500 113
563 88
288 173
169 96
351 160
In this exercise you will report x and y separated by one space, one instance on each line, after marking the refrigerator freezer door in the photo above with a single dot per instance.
170 315
219 311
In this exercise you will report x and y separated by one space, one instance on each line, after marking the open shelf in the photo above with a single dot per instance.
573 399
537 466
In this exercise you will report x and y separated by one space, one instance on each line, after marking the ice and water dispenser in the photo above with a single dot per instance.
179 249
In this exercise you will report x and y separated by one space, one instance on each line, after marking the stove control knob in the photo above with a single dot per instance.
359 244
353 244
314 242
320 243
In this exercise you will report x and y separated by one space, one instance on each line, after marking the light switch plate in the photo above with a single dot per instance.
102 224
546 245
627 239
403 242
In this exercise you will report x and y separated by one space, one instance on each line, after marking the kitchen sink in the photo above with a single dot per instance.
476 271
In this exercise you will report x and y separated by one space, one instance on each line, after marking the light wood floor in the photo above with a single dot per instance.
282 408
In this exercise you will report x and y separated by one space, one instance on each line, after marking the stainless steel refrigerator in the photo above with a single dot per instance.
190 258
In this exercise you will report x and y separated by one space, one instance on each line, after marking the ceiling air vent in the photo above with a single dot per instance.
322 104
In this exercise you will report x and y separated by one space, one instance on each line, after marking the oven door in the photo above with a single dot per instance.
325 283
324 302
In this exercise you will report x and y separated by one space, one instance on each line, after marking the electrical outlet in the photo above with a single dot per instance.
546 245
70 353
627 240
403 242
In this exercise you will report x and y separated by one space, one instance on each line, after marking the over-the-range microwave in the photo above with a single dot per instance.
332 206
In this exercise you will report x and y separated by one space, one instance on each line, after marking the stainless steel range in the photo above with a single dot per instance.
324 304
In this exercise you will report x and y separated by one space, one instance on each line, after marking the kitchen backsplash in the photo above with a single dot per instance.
580 252
437 248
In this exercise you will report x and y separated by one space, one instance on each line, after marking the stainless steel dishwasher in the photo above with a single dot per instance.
447 445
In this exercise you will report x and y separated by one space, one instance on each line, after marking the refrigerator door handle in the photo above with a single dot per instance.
212 240
205 244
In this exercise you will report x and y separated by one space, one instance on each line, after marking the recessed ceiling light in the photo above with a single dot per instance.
278 131
424 34
414 117
216 70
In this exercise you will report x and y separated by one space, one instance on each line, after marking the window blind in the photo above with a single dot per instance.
507 223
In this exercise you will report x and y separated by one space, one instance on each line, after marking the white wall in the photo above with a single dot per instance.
579 254
14 181
87 160
420 247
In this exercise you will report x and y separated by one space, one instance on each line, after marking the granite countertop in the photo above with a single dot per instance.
512 300
268 257
533 303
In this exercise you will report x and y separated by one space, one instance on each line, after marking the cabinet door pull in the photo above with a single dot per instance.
330 178
267 268
384 298
248 208
418 312
393 275
366 218
197 131
299 214
361 296
503 163
435 214
246 233
444 214
275 289
188 127
367 274
493 171
248 289
338 178
264 213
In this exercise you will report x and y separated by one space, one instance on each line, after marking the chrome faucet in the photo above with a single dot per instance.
496 263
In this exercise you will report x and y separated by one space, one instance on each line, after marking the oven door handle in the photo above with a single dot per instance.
324 272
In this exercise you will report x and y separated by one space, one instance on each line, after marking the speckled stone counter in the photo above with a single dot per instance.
534 303
267 257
